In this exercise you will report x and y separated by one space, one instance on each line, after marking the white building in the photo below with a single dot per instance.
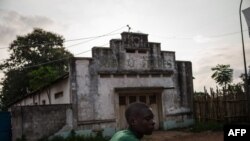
131 69
57 92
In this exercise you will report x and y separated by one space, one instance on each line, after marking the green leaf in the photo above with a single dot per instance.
35 48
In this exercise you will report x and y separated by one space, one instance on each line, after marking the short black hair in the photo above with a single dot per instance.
134 109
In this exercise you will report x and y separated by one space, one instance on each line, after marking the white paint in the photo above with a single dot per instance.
135 61
176 110
169 59
84 99
107 95
39 97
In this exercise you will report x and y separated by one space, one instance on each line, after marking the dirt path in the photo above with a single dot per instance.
184 136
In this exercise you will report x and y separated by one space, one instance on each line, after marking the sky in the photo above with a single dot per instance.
205 32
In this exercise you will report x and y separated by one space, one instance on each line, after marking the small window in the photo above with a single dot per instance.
142 51
132 75
136 40
132 99
122 100
155 75
130 50
118 75
144 75
105 75
152 99
58 95
165 75
142 99
43 102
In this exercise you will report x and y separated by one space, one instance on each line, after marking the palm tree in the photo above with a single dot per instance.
223 74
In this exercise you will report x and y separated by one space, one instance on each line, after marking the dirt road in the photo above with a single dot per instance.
184 136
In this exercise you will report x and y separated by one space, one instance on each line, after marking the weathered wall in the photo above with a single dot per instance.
130 62
85 101
107 96
179 107
62 86
185 83
40 96
38 121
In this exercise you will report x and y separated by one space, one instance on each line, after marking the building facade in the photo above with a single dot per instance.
132 69
55 93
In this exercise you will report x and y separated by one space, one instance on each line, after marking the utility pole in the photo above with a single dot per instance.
245 66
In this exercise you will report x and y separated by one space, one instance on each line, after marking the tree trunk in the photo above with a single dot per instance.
49 95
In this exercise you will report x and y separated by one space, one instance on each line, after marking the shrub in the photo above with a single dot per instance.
74 137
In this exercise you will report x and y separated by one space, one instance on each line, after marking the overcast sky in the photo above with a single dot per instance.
205 32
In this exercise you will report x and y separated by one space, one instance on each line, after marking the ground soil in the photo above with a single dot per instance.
185 136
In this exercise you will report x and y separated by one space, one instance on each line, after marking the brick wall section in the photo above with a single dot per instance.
36 122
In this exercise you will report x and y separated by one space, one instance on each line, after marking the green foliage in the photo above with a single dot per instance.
207 126
21 69
199 93
223 74
235 88
42 76
242 76
12 87
74 137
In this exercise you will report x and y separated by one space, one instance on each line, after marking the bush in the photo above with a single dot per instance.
74 137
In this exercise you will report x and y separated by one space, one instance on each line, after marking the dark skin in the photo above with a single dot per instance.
142 123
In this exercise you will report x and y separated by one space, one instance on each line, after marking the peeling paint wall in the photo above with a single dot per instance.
41 97
107 96
179 112
130 62
36 122
84 98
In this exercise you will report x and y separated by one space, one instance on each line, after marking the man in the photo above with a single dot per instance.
140 120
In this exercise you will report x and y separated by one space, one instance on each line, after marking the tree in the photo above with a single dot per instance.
36 59
223 74
242 76
41 77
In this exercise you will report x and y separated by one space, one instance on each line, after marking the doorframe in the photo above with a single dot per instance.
127 91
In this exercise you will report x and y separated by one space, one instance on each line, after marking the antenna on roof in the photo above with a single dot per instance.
128 28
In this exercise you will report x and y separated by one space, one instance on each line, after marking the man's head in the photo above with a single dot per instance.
140 118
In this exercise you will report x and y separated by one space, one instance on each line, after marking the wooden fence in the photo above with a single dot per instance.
221 106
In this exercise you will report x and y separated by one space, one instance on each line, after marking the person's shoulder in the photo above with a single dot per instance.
123 135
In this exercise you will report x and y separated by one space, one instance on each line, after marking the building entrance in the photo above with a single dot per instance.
150 99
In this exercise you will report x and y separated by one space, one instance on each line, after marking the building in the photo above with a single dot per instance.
98 89
56 92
